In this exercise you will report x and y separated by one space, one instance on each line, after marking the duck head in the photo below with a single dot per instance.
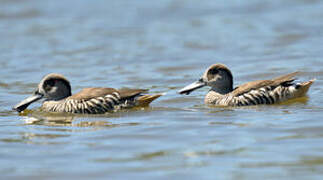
217 76
53 87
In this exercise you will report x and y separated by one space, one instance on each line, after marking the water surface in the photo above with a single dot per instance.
161 45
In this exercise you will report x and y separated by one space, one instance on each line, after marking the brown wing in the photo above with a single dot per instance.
285 78
263 83
129 93
89 93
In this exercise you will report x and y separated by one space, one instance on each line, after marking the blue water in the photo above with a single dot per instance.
163 46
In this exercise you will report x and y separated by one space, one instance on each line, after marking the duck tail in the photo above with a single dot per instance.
145 100
303 87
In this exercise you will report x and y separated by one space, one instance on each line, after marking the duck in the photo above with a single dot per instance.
222 93
55 91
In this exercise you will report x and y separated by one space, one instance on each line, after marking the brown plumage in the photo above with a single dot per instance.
288 78
220 79
56 91
89 93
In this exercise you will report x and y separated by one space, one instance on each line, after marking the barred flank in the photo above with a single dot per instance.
99 105
266 95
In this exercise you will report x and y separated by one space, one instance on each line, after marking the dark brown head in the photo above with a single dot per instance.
52 87
217 76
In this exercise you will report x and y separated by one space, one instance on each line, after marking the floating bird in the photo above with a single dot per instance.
220 79
55 89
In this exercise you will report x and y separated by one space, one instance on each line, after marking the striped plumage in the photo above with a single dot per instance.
220 79
56 91
93 105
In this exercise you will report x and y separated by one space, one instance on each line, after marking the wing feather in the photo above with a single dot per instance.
254 85
89 93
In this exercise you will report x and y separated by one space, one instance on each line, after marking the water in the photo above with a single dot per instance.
161 45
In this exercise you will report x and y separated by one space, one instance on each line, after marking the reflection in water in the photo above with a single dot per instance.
31 117
308 161
140 157
46 118
31 138
213 152
162 46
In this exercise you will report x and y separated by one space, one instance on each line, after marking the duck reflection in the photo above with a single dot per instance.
36 117
45 118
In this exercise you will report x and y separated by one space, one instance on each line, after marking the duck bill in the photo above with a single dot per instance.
26 102
188 89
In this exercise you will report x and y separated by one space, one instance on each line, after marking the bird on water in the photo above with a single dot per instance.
222 93
55 90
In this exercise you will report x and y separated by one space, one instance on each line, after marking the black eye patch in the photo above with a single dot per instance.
49 84
211 73
214 71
